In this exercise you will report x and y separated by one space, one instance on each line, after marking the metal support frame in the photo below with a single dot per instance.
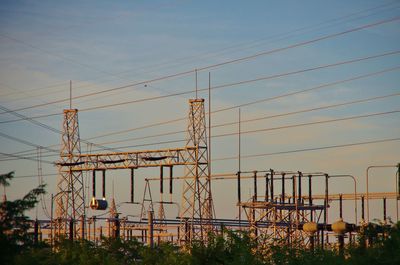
279 221
69 205
196 196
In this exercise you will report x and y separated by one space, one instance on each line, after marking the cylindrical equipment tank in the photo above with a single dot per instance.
339 227
98 204
310 227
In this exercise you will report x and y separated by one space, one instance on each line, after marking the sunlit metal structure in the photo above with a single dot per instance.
70 202
196 196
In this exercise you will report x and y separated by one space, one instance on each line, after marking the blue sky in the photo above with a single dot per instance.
105 44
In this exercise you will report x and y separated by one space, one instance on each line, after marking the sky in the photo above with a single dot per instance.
337 51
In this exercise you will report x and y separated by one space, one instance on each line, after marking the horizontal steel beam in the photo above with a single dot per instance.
135 159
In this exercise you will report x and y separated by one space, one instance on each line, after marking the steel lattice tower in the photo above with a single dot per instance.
196 208
70 202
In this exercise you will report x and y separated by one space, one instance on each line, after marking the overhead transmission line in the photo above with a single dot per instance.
285 126
309 123
238 47
281 127
289 151
261 118
227 85
13 156
247 104
326 85
241 59
247 81
251 103
310 149
45 126
26 158
284 152
25 142
34 176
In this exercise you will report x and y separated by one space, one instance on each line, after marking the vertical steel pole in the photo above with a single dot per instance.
362 209
299 187
239 195
325 209
266 187
170 179
310 198
239 169
384 210
150 229
272 185
94 183
294 189
239 142
132 185
104 183
255 185
161 179
283 188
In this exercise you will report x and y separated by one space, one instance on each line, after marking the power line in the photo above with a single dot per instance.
32 151
138 128
24 142
146 137
311 149
245 81
257 101
26 158
300 44
34 176
45 126
273 128
310 123
250 103
280 36
25 118
289 126
283 127
234 84
222 63
33 117
30 155
260 118
309 89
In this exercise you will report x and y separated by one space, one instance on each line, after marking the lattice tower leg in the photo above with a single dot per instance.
197 205
69 199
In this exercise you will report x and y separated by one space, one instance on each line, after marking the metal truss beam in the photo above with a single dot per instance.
136 159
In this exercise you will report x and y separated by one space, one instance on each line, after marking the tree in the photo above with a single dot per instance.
14 224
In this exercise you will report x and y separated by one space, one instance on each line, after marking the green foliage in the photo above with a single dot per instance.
228 248
5 177
165 253
13 222
385 249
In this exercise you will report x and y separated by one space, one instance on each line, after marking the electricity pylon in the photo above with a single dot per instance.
70 202
196 207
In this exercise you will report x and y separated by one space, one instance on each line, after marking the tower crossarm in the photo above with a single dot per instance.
134 159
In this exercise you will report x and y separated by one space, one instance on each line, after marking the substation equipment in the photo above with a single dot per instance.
288 212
